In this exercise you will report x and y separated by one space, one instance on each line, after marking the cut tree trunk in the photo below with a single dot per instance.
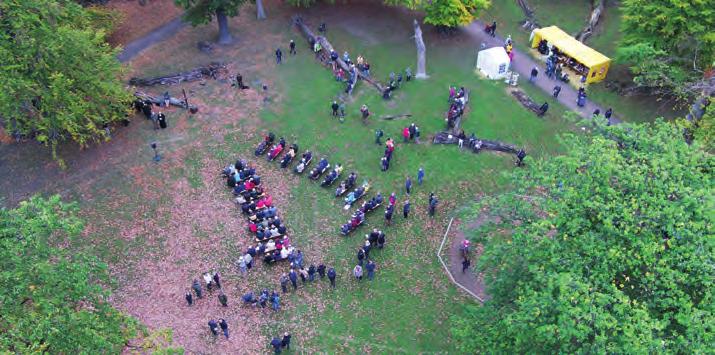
261 13
224 35
394 117
213 70
420 44
327 48
526 101
529 22
596 12
449 138
160 101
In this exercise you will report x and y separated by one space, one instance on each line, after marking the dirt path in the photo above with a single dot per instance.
524 62
473 281
162 33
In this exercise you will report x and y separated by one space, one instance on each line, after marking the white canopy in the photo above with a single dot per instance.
493 62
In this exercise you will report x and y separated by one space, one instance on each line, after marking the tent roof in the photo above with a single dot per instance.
573 48
495 52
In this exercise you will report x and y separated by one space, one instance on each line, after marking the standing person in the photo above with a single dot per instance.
406 134
224 327
213 327
370 270
279 56
277 345
189 298
420 176
239 81
543 109
197 288
408 185
465 265
291 45
417 134
284 283
216 279
494 28
388 214
249 260
557 90
286 340
223 299
342 112
161 120
406 209
364 111
293 279
360 255
608 113
311 273
275 301
321 271
392 199
331 276
146 109
534 74
378 134
335 108
432 204
242 265
357 271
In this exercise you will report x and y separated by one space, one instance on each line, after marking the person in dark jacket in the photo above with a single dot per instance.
189 298
293 279
284 283
279 56
213 327
224 327
370 267
291 45
465 265
277 345
321 270
406 209
286 340
380 240
217 280
311 273
223 299
331 276
197 288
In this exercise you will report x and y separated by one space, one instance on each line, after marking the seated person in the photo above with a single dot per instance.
345 229
260 234
260 249
277 149
252 227
248 298
378 198
282 229
308 155
351 179
340 188
354 222
285 252
322 164
270 245
276 222
274 232
279 244
350 199
240 200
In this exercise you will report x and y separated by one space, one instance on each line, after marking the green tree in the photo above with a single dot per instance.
52 299
201 12
453 13
59 78
669 43
606 249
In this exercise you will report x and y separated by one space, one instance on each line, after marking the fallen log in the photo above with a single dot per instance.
392 117
213 70
526 101
449 138
160 101
593 20
326 48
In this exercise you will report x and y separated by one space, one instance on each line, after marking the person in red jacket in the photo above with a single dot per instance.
406 134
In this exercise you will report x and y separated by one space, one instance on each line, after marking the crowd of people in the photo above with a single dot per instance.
457 103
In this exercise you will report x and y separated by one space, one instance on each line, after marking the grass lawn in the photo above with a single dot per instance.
163 224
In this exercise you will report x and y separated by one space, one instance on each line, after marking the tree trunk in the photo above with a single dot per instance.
224 36
259 8
421 70
597 10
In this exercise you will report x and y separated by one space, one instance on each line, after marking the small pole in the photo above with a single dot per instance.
186 99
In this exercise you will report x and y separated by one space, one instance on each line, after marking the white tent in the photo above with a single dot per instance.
493 62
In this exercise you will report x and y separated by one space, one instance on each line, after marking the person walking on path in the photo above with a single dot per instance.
321 271
357 271
189 298
408 185
284 283
277 345
279 56
465 265
556 91
286 340
406 209
370 267
331 276
213 327
291 45
534 74
197 288
420 176
223 299
224 327
335 108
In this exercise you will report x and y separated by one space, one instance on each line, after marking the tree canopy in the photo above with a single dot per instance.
608 248
669 44
52 299
59 78
199 12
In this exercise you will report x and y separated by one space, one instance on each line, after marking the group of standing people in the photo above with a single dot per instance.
411 132
146 107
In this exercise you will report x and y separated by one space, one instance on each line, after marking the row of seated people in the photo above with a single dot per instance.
276 149
356 194
346 184
251 207
278 255
269 228
372 204
271 245
355 221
